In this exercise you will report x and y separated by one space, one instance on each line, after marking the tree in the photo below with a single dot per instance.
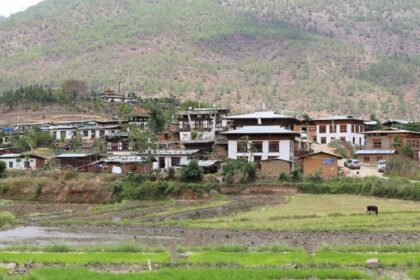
407 151
124 111
75 88
140 139
2 168
156 121
192 172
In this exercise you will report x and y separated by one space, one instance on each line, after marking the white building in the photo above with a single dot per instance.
171 157
257 143
22 162
343 128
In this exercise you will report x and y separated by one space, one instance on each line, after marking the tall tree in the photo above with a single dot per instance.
75 88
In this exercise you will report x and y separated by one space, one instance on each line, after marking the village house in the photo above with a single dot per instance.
22 161
111 96
167 158
76 161
322 163
201 123
374 155
384 143
342 128
140 117
118 142
266 118
257 143
272 168
123 164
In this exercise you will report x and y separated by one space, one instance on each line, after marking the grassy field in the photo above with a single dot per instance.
198 274
304 212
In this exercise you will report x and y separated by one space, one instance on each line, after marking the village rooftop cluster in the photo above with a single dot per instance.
277 143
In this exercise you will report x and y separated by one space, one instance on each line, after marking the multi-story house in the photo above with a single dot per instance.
262 142
266 118
382 144
344 128
201 123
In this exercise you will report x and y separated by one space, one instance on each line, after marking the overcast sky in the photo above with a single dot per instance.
8 7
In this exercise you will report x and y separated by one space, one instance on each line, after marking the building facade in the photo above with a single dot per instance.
256 143
341 128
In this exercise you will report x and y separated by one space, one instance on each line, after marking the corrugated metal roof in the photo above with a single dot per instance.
263 129
80 155
10 155
337 118
124 159
260 115
375 152
204 163
172 152
391 131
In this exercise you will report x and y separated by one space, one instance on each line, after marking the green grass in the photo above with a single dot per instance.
83 258
414 273
306 212
198 274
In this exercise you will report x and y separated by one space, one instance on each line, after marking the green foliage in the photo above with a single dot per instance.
192 172
124 111
2 168
402 166
170 173
406 151
391 188
6 219
296 175
156 121
246 169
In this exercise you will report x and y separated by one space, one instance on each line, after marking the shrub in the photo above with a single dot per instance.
296 175
248 170
284 177
6 219
170 173
192 172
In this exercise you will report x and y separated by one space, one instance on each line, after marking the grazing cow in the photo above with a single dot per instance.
372 209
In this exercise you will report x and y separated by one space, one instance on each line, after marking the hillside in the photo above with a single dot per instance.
319 57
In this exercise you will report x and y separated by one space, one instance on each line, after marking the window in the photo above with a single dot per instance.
175 161
85 133
332 129
343 138
273 147
323 140
322 129
366 159
343 128
257 147
257 158
354 140
109 146
101 133
377 143
120 146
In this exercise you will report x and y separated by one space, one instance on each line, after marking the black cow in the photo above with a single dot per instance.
372 209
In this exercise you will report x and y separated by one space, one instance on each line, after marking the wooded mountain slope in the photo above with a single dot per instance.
320 57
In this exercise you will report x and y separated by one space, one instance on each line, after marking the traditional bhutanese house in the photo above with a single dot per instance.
123 164
324 163
23 161
257 143
140 117
392 139
343 128
208 166
77 161
171 157
272 168
118 142
111 96
4 151
266 118
373 156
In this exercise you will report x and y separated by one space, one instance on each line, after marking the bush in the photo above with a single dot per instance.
392 188
284 177
248 170
192 172
6 219
296 175
170 173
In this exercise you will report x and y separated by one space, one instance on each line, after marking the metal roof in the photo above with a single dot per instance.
338 118
262 129
391 131
81 155
10 155
124 159
204 163
260 115
375 152
172 152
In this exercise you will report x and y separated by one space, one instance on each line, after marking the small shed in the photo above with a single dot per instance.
323 162
272 168
77 162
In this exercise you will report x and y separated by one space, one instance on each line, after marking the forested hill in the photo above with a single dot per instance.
320 57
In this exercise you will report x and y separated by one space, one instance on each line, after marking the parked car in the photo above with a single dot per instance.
381 165
352 164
